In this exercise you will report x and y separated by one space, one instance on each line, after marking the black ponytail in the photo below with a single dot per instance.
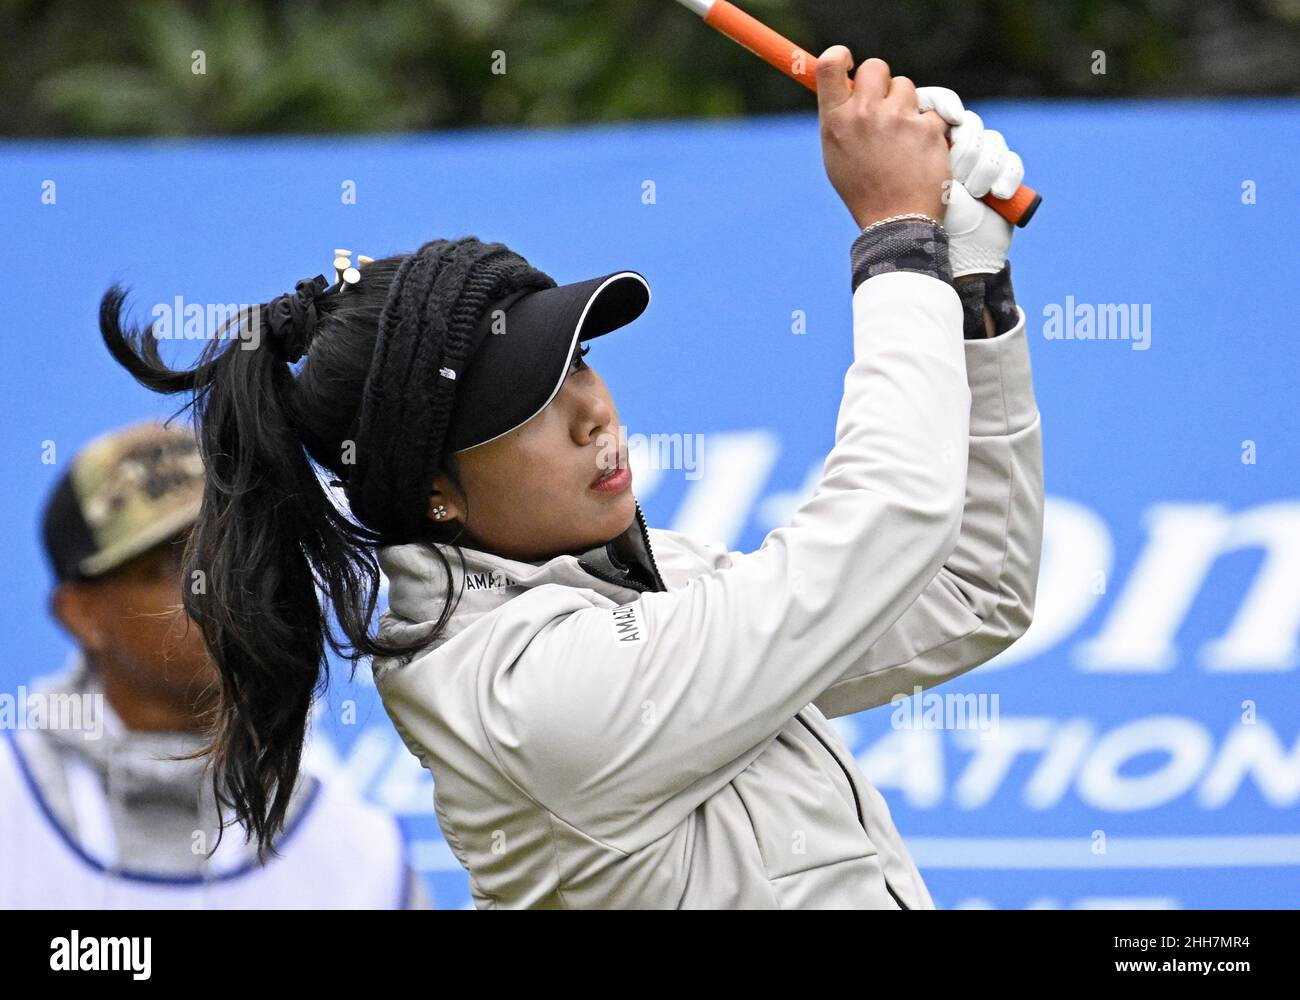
275 571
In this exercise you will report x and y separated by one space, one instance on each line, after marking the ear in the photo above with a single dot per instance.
444 494
444 505
75 607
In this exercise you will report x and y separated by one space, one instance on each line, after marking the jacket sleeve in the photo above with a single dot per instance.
606 715
982 598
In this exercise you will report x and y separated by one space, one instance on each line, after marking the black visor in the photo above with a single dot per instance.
523 353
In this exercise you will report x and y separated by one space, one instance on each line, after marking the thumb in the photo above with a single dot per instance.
942 100
833 84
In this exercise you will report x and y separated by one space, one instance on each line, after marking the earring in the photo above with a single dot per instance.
440 511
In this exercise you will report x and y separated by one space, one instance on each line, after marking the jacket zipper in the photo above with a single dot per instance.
645 535
857 803
628 582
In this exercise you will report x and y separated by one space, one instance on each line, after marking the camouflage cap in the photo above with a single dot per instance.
125 492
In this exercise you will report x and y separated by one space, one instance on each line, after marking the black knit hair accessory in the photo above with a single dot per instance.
426 337
291 318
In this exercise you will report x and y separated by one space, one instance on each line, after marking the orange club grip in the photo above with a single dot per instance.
777 50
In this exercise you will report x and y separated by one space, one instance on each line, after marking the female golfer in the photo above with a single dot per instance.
614 715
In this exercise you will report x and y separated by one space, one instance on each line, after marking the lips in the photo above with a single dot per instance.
607 473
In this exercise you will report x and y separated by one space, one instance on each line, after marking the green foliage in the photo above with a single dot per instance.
78 67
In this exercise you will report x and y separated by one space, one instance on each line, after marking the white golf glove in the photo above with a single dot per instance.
978 238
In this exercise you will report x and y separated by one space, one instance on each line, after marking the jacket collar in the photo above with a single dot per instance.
417 583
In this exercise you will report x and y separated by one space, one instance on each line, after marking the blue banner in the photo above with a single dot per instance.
1143 751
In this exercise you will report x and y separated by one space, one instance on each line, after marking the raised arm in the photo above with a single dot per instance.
982 598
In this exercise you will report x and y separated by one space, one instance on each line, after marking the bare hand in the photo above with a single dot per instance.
882 154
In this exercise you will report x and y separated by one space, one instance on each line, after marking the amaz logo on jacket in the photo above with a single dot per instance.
627 626
487 581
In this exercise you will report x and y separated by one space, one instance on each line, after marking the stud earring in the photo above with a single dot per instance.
440 511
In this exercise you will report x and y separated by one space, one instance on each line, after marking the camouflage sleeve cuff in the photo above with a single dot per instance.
1001 300
971 291
902 245
994 291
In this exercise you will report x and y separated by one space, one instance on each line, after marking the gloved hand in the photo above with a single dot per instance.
978 238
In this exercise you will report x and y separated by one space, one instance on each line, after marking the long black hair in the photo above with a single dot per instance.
276 571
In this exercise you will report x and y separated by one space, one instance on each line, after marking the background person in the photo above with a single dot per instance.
96 815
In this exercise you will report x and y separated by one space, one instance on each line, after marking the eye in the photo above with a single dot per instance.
578 364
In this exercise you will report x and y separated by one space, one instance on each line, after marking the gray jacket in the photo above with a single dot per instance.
596 742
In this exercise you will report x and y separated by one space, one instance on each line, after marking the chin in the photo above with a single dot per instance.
617 514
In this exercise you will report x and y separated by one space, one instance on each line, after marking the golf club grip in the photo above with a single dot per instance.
777 50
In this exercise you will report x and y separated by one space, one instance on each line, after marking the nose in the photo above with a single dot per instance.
593 412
